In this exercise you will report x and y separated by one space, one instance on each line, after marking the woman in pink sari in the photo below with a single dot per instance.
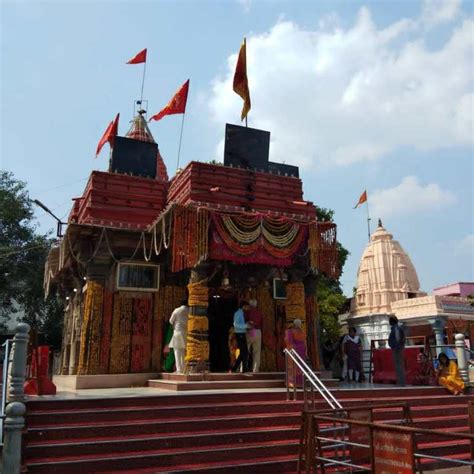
295 338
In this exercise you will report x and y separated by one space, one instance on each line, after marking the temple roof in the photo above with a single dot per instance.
386 274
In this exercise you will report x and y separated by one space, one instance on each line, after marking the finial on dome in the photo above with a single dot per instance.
380 223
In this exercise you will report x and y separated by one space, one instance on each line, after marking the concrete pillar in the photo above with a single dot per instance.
17 372
462 359
437 325
14 423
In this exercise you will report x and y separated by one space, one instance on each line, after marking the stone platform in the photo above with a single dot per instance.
220 381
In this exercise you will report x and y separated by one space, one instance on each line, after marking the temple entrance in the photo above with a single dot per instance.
220 313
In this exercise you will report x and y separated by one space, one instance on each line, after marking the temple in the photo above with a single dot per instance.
137 243
387 284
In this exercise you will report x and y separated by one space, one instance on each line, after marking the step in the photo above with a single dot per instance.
156 443
249 383
222 376
275 464
162 460
99 429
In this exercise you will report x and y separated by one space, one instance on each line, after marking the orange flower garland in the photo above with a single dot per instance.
295 307
89 352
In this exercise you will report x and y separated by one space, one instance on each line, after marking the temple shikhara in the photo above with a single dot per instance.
137 243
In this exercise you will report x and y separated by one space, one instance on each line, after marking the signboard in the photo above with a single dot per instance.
393 452
360 434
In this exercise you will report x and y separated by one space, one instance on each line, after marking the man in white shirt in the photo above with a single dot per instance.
179 321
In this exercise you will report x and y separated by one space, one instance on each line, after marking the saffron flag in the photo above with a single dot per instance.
241 84
138 58
109 135
362 199
177 105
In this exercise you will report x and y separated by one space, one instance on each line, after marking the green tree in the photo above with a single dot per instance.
23 252
331 299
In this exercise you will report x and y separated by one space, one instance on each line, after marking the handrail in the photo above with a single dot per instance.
312 378
314 450
6 362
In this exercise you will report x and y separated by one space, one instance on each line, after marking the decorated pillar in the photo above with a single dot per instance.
197 342
89 351
295 305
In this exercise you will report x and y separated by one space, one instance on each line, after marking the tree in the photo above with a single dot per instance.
331 299
23 252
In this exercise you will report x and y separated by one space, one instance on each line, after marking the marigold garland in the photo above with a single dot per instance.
295 306
89 351
190 228
197 343
198 294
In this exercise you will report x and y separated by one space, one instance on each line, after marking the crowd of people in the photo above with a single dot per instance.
343 357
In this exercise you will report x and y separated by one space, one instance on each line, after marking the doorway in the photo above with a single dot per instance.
221 317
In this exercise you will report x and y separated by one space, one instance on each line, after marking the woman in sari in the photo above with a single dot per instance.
448 375
295 338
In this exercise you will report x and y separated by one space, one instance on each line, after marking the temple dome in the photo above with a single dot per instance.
386 274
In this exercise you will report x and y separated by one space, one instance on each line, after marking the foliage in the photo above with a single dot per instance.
329 294
23 252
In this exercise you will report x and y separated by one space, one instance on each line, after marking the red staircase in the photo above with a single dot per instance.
245 432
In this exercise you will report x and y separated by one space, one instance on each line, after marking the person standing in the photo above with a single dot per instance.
254 320
352 348
396 341
179 321
240 328
295 338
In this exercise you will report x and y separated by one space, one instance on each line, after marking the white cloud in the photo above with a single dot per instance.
333 95
435 12
409 197
465 246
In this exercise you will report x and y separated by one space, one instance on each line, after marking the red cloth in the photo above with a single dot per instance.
177 105
138 58
254 315
384 366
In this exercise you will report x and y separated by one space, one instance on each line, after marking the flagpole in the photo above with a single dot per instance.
368 217
180 140
143 82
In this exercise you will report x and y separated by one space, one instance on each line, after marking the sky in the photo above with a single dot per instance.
373 95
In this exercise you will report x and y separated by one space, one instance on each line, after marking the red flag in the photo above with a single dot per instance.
362 199
138 58
241 84
109 135
177 105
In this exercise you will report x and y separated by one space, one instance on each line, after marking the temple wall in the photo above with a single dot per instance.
120 332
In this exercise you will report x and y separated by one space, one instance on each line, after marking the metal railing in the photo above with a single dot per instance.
361 451
295 366
7 345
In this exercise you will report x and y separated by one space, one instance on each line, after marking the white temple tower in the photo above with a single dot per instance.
386 274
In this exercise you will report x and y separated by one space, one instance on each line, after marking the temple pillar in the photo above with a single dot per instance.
438 325
463 365
197 342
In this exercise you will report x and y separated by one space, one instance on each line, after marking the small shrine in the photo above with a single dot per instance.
137 243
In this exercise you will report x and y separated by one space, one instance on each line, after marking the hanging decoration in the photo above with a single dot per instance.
295 307
269 339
